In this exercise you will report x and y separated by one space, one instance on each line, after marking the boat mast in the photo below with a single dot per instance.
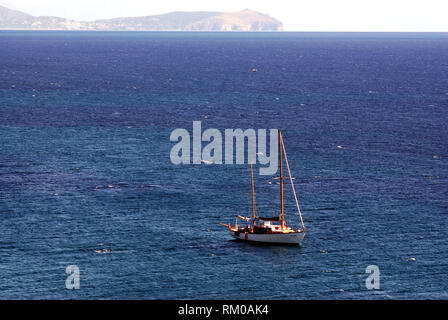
293 189
253 191
281 177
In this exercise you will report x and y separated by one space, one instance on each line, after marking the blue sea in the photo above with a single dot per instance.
86 177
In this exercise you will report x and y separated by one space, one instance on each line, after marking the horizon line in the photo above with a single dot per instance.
219 31
183 11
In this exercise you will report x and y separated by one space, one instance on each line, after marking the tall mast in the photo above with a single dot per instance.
281 177
253 190
293 189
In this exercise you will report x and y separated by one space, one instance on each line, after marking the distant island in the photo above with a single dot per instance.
244 20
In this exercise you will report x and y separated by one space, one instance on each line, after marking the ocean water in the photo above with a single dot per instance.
86 177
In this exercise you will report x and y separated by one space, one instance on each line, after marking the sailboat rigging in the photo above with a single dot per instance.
265 229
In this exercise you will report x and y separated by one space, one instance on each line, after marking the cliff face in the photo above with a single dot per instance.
245 20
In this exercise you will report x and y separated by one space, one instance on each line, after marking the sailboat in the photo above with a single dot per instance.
270 229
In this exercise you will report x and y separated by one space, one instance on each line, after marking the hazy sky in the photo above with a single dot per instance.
296 15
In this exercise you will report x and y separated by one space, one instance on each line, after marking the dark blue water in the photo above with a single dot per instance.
85 120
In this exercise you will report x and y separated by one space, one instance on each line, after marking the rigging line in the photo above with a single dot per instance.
253 190
292 185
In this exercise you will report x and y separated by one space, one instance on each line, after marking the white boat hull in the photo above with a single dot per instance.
278 238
